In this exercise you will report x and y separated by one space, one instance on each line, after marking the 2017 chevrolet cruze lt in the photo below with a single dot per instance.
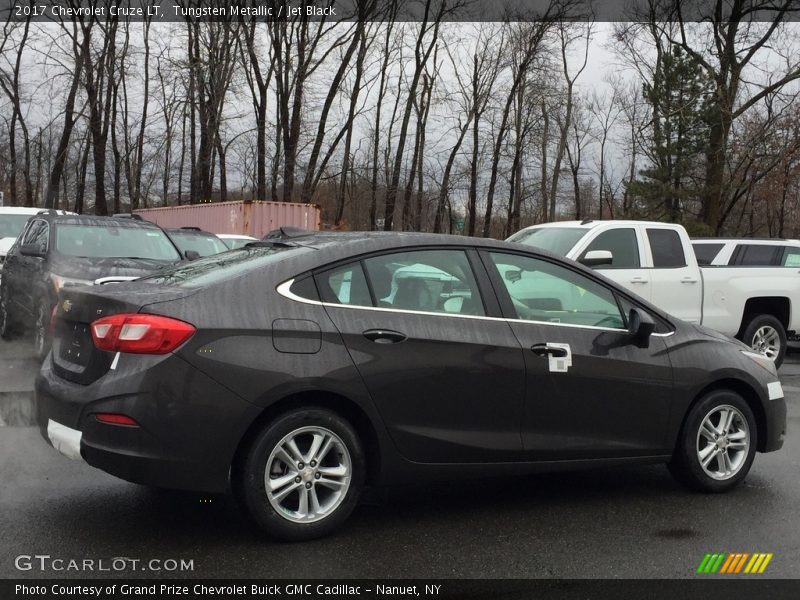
299 370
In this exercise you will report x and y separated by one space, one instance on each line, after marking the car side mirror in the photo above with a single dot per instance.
597 258
640 327
34 250
191 254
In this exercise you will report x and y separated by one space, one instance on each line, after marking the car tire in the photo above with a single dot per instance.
41 330
729 456
766 335
7 323
308 498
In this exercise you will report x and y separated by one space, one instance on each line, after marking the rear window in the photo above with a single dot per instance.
706 253
665 244
219 268
202 243
110 241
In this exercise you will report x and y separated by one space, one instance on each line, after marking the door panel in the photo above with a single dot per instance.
609 399
449 386
675 277
625 245
613 401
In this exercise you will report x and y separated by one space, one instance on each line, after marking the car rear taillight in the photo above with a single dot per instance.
140 333
116 419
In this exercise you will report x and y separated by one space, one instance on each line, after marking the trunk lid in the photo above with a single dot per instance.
75 357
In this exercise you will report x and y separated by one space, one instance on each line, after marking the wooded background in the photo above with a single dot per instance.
435 125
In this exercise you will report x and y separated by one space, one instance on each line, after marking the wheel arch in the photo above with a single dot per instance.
342 405
779 307
747 392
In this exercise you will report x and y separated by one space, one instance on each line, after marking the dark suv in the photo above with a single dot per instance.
56 251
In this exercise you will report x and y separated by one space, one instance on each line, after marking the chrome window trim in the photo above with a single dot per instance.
283 290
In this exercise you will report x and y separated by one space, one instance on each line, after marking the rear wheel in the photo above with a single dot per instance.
302 475
717 443
41 330
766 335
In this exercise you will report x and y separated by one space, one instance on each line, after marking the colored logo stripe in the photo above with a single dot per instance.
735 562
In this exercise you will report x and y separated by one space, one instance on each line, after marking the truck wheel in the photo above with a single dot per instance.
717 443
7 324
766 335
302 475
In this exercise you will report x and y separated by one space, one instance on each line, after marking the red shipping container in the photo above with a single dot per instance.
244 218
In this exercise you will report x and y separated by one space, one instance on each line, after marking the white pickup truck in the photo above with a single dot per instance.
655 260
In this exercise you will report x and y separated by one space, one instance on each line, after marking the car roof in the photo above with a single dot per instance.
351 243
96 221
591 223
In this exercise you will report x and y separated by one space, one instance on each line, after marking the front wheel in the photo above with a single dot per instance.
717 443
302 475
41 330
766 335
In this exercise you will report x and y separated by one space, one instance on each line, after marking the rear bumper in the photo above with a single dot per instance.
188 426
64 439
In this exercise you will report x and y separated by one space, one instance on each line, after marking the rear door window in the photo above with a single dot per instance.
757 255
622 244
345 285
666 247
439 281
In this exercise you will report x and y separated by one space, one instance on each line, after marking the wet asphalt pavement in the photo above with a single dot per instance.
624 522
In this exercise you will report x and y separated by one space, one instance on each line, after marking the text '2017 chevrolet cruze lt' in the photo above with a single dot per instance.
301 369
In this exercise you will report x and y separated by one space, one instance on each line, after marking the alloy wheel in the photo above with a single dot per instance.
40 330
723 442
766 341
308 474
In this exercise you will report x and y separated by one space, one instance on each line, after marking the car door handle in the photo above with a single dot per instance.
688 280
545 350
638 280
385 336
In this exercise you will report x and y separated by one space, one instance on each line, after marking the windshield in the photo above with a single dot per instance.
205 244
93 241
11 225
558 240
217 268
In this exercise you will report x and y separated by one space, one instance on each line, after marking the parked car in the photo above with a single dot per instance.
56 251
748 252
655 260
12 222
235 241
195 243
318 378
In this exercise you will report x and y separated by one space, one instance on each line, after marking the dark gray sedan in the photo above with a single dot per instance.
299 370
